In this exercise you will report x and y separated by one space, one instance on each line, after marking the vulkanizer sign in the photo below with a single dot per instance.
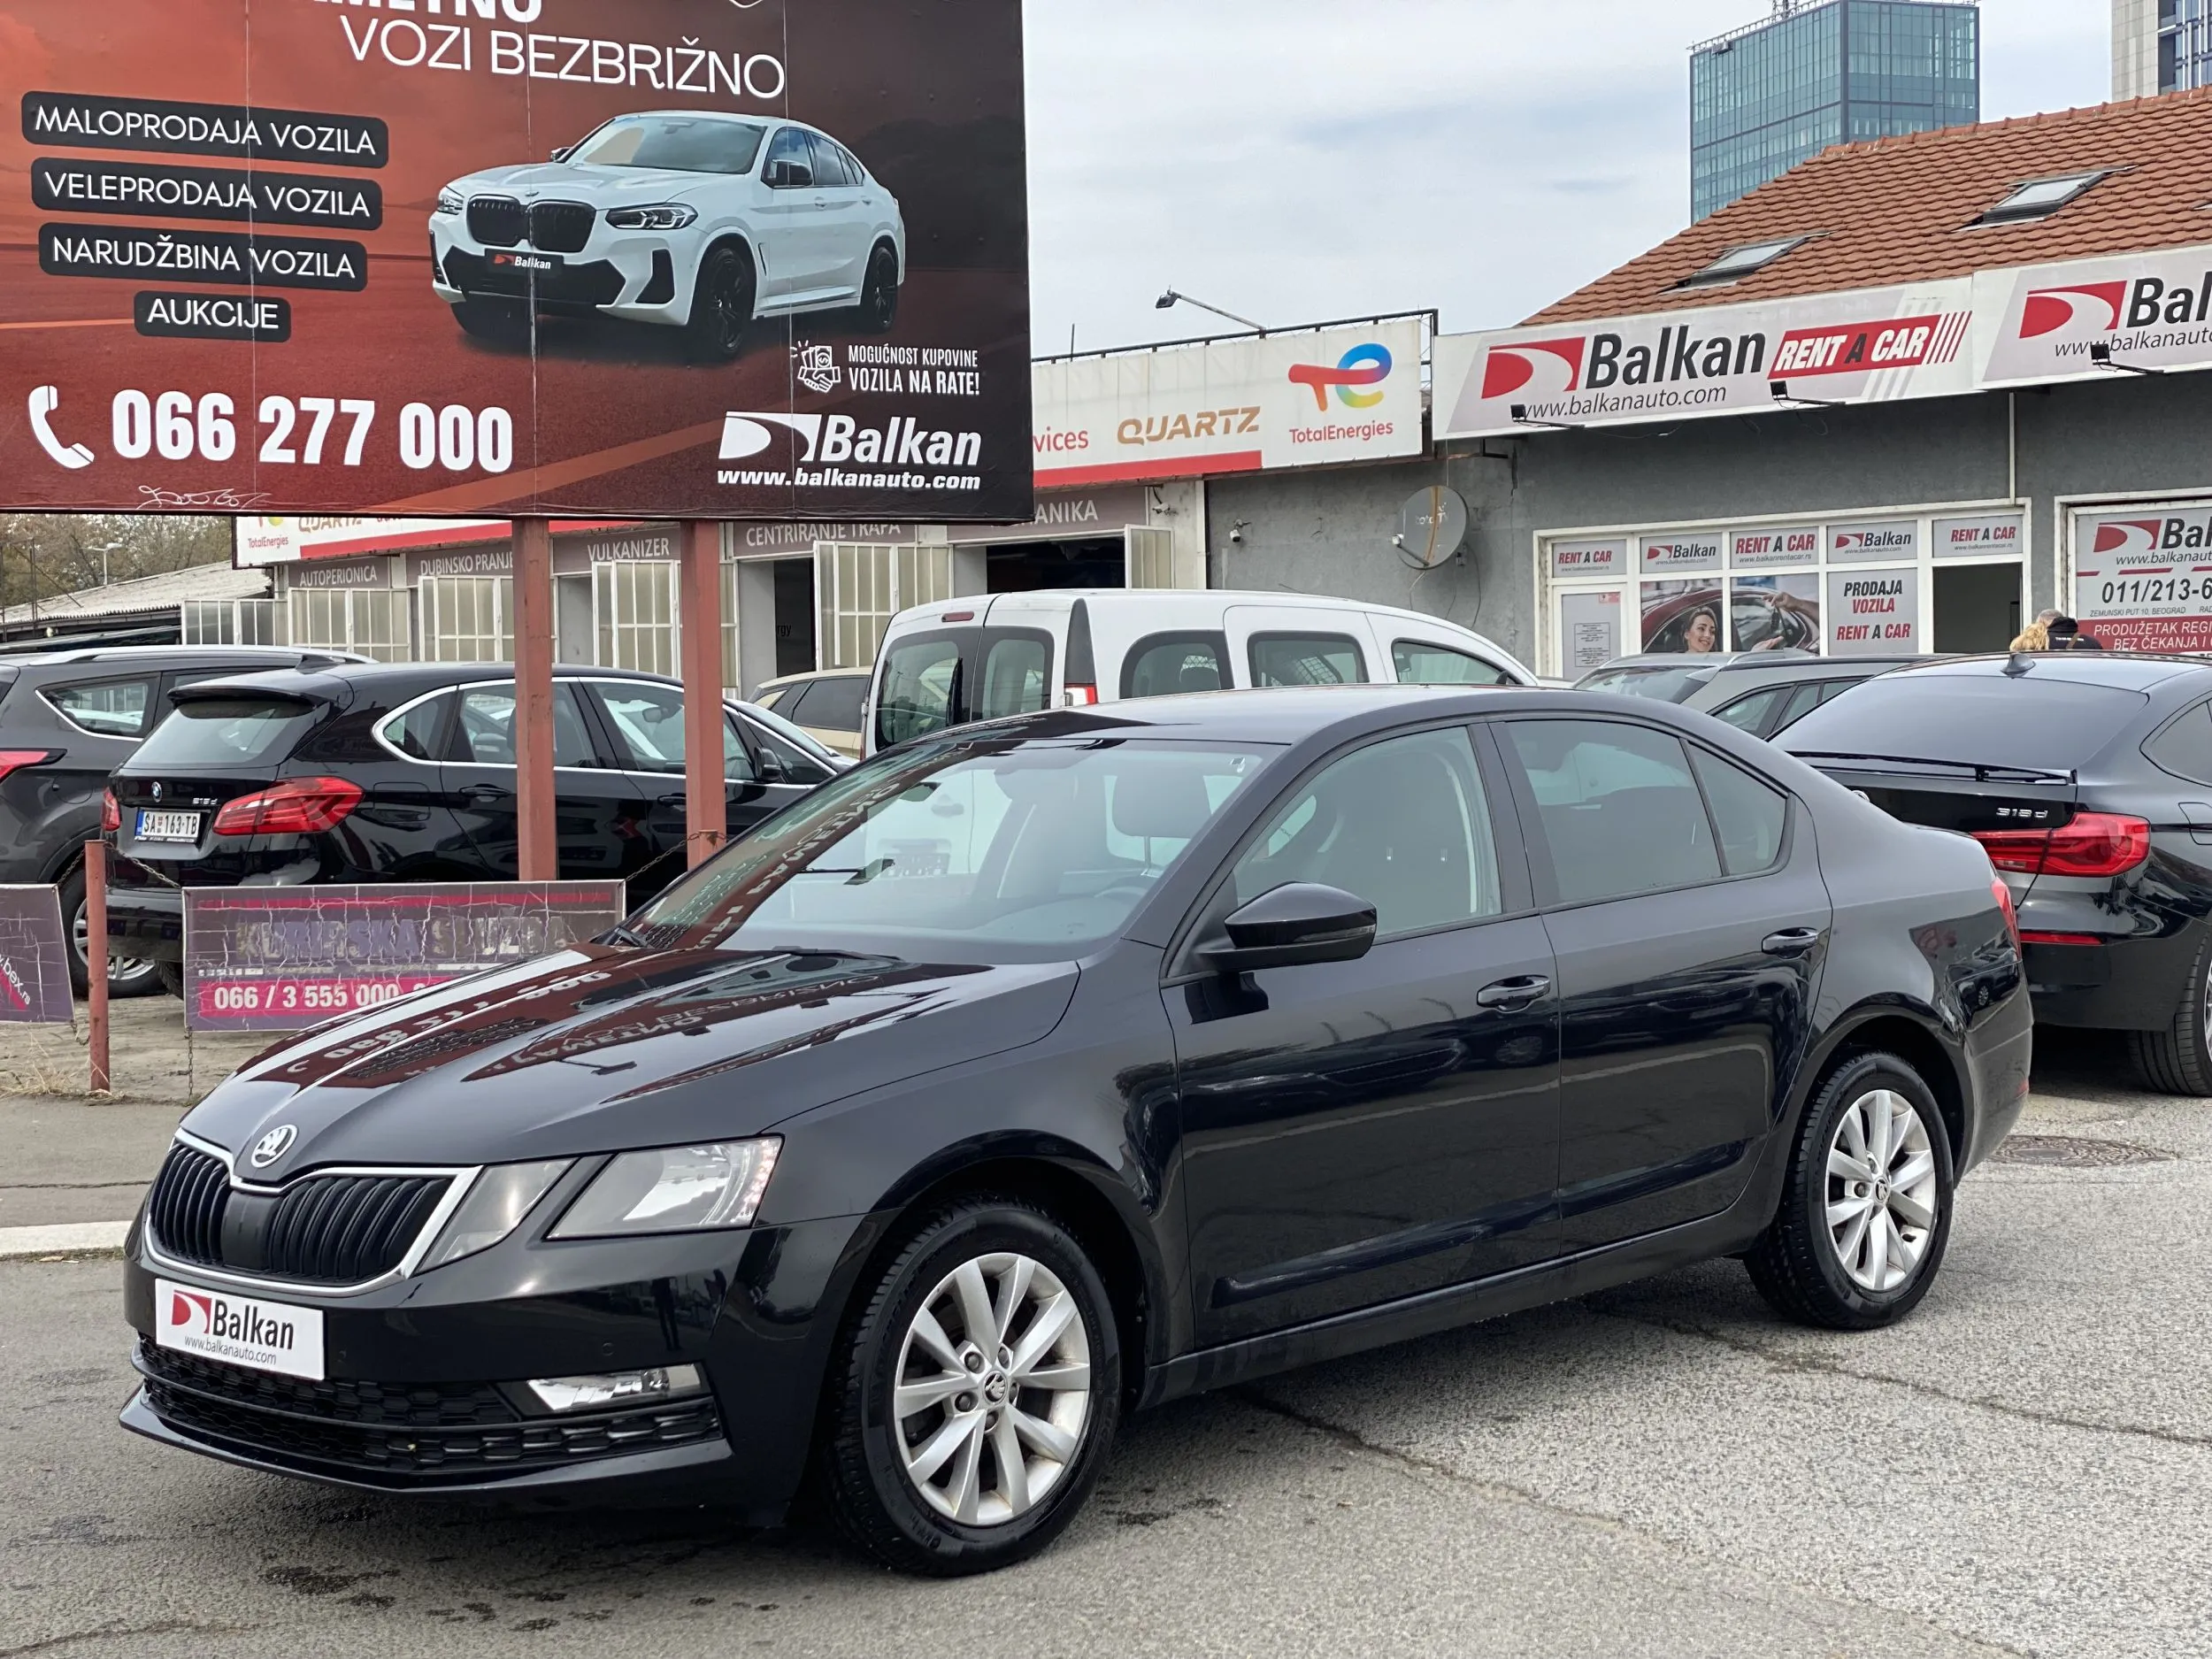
1866 346
1231 406
486 257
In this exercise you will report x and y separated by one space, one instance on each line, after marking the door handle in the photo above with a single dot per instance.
1515 993
1791 942
486 792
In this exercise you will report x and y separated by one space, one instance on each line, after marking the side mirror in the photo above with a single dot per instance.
769 769
787 175
1292 925
562 152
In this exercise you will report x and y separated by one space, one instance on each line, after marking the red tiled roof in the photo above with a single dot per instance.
1895 211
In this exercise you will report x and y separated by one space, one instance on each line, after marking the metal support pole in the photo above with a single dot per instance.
537 851
95 961
706 792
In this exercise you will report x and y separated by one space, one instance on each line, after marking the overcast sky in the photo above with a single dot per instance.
1300 160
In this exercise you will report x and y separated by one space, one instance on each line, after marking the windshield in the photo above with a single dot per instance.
996 846
225 731
2049 724
682 143
1668 685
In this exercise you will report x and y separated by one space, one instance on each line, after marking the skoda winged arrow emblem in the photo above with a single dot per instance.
272 1146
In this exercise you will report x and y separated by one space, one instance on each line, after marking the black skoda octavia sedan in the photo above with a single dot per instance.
1046 1070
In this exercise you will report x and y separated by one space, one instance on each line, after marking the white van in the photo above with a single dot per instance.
999 654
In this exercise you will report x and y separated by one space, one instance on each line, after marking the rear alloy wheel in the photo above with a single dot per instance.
1866 1209
128 976
721 306
2178 1059
977 1394
880 294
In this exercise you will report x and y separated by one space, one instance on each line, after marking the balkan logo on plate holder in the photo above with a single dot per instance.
235 1330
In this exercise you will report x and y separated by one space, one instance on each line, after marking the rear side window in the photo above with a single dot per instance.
1665 685
207 734
773 697
1306 659
420 733
1620 808
833 704
1016 676
921 690
1168 665
1751 714
1420 664
2184 745
1749 813
1989 718
113 708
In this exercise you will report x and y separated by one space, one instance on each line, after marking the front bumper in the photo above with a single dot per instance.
421 1377
638 276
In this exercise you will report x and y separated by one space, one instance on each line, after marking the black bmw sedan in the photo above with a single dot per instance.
2088 779
1046 1070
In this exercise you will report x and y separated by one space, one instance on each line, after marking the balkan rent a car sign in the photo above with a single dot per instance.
449 259
2143 578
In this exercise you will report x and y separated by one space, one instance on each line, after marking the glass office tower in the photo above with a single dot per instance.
1767 96
2160 46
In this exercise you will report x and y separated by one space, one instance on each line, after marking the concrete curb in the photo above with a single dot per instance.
76 1238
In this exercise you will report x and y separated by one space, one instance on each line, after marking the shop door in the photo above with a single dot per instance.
1977 607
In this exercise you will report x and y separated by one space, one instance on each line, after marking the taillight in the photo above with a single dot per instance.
2077 939
2095 844
111 811
1079 696
2003 894
16 759
305 806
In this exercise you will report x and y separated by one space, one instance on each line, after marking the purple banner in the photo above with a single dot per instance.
35 987
285 958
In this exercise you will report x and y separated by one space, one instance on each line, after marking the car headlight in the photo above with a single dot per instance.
676 1189
451 201
495 1207
665 215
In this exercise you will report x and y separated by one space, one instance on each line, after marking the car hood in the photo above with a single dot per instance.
598 1050
601 186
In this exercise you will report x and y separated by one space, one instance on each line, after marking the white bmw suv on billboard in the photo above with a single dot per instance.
687 219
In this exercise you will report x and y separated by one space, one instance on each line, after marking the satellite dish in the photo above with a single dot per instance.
1432 527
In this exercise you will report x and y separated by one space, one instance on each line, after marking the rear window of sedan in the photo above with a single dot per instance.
219 731
1989 719
1665 684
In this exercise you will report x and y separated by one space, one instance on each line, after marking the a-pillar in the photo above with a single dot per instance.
706 792
537 847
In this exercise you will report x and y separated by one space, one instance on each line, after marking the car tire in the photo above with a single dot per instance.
722 300
1817 1263
504 323
2178 1060
170 974
933 1492
879 293
126 977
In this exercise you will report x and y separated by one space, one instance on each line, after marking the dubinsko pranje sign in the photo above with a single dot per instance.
1866 346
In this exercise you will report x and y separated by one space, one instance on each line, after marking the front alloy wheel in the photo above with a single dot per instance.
975 1392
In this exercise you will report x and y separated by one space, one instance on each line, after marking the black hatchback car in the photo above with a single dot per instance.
2088 778
1036 1072
406 773
67 719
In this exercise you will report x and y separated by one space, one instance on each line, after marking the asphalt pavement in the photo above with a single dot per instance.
2024 1466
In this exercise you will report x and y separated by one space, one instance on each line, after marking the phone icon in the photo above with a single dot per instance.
45 401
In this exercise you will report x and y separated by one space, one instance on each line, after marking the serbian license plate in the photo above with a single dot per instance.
538 265
221 1324
169 826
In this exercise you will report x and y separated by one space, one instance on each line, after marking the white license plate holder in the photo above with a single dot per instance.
234 1329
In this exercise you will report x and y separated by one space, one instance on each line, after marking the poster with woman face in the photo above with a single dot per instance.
1775 613
1684 616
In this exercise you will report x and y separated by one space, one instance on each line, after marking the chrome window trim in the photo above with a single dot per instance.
459 686
463 1177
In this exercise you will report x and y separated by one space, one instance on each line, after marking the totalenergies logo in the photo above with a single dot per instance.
1360 366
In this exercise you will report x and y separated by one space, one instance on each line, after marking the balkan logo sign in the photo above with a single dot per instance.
2149 311
2143 579
1711 360
33 964
1229 406
502 257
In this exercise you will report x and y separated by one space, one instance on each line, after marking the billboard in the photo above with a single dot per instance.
285 958
674 259
33 964
2143 579
2151 310
1231 406
1862 347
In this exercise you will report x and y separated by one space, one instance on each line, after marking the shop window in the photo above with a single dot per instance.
374 623
228 622
859 589
468 618
633 608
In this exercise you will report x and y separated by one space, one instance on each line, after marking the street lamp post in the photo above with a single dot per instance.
1171 299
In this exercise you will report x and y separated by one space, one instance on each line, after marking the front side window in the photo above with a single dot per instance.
921 690
790 164
1306 659
992 847
114 708
1402 824
1620 811
485 718
1167 664
1420 664
648 723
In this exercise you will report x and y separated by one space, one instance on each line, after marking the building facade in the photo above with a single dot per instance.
1773 94
2160 46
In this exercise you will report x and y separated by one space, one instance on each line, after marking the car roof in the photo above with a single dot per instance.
155 656
390 681
1714 660
2120 671
1061 601
818 673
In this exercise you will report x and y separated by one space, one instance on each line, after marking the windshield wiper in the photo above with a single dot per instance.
620 934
